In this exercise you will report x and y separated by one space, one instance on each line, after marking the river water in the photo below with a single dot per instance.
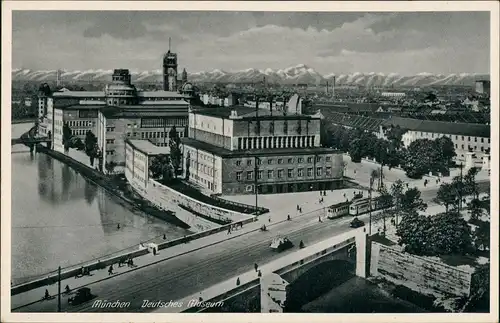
61 219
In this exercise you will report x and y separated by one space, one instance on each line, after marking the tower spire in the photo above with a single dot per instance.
169 40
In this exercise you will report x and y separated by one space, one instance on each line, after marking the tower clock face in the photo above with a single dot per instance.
171 72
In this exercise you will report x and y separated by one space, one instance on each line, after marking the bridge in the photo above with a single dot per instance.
345 251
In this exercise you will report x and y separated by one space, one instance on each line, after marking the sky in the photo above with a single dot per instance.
330 42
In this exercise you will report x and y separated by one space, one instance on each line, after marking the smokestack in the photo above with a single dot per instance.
333 87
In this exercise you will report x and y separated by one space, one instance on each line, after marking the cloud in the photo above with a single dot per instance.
329 42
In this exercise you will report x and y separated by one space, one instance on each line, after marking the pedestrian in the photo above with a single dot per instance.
300 209
297 207
154 251
269 219
259 274
110 270
344 196
319 218
47 295
255 266
288 217
228 230
238 281
354 171
437 181
118 226
67 289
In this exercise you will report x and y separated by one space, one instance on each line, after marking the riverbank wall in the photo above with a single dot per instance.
103 181
420 274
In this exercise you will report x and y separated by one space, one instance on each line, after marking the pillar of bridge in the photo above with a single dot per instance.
361 253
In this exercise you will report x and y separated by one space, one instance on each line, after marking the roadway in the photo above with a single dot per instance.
185 275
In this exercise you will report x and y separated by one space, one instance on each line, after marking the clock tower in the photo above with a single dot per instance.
170 70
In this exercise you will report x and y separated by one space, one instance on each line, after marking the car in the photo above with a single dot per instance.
281 244
357 223
82 295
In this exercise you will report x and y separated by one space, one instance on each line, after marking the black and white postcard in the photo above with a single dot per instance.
236 158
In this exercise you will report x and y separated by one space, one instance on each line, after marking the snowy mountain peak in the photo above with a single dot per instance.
298 74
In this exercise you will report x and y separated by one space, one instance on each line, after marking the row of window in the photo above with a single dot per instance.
80 123
110 152
290 160
470 147
162 122
79 132
281 172
110 141
208 184
437 135
158 134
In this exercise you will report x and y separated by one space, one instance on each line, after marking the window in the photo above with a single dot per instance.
300 172
475 139
259 162
328 158
456 146
269 174
290 160
290 173
309 172
238 176
280 160
249 162
259 174
482 149
318 159
249 175
309 159
328 171
482 140
319 171
463 147
110 141
488 140
300 160
238 163
463 138
280 173
270 161
468 138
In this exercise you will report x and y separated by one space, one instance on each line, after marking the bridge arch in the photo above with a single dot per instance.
317 281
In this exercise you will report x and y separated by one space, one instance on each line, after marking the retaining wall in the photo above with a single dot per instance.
420 274
164 195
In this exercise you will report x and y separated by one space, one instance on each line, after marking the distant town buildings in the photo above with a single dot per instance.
483 86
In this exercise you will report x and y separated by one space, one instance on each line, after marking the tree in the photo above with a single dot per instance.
161 167
66 136
481 236
450 234
175 151
91 146
397 194
413 233
447 195
395 136
356 150
419 158
476 209
447 150
469 182
385 202
411 201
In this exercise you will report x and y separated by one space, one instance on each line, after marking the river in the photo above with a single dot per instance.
61 219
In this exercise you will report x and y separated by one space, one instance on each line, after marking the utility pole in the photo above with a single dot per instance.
370 207
59 289
256 184
460 188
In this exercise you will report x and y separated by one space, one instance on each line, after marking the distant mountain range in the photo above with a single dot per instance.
300 74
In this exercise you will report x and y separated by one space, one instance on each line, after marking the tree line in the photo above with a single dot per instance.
421 157
446 233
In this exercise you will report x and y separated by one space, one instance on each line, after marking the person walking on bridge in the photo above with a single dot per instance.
256 266
110 270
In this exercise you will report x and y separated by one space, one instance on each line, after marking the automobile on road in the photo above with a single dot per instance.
82 295
357 223
281 244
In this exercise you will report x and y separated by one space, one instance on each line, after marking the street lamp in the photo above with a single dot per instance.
256 168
